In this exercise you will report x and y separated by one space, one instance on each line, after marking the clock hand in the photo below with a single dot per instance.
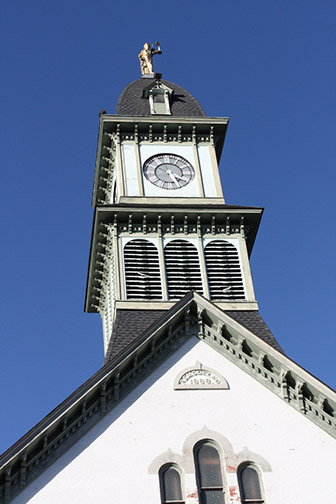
180 178
172 176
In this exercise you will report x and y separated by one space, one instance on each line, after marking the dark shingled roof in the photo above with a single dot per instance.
131 102
130 324
254 323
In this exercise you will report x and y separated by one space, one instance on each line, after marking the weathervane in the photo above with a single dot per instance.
146 57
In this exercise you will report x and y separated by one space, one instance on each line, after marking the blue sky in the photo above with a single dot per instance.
268 65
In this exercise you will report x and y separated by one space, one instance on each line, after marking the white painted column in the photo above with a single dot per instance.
116 258
138 162
215 167
120 171
206 291
162 262
246 270
197 164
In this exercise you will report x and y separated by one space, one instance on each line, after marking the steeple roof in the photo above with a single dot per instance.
133 103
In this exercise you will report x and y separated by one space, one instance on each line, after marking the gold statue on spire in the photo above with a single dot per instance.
146 58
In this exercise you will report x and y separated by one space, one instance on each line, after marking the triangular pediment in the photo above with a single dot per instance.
193 316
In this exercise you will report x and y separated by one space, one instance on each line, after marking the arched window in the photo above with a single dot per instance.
223 270
182 268
170 484
142 270
209 474
249 484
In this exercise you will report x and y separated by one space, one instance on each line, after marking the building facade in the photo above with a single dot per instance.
196 402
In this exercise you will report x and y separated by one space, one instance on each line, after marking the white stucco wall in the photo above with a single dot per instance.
116 462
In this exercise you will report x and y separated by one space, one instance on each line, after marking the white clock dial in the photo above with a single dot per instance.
168 171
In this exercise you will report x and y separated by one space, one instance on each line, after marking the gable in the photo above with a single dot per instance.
119 458
191 318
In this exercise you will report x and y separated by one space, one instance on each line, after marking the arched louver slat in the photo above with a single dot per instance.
142 270
223 270
182 269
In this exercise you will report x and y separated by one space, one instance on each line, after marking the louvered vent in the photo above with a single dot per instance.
142 270
182 269
223 269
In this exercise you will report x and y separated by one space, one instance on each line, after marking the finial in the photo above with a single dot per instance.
146 57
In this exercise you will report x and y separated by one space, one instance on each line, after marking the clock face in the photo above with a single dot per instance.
168 171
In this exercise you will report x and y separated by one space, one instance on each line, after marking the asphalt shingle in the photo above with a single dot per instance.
131 102
130 324
253 321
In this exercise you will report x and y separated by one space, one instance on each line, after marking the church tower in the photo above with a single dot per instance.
196 402
161 227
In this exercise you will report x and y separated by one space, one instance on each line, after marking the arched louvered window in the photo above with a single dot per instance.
170 484
209 474
142 270
182 268
249 485
223 270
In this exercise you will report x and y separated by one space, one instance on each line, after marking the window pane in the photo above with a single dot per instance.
209 467
212 497
171 485
250 483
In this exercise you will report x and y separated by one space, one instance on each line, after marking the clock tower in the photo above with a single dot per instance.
161 227
196 402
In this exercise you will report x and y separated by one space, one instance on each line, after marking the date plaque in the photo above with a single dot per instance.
199 377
